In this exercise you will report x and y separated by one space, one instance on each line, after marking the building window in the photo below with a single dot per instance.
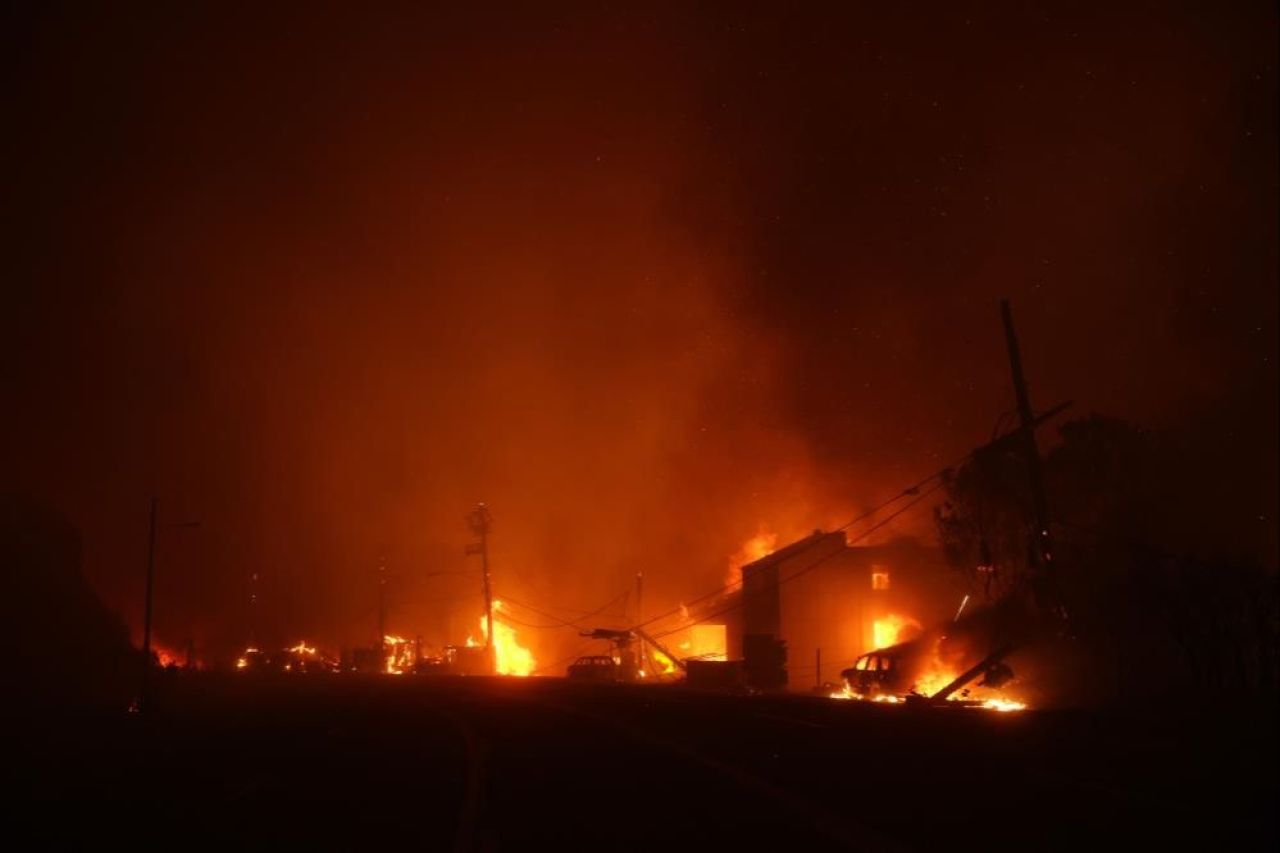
879 577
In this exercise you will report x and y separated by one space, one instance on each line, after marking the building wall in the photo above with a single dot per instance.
828 601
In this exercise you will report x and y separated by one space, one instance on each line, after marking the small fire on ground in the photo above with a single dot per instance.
985 704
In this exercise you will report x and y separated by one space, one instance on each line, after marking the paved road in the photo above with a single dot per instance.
511 764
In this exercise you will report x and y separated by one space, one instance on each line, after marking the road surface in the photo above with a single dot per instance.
337 762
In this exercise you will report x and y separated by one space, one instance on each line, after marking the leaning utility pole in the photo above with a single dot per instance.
480 522
1042 543
143 697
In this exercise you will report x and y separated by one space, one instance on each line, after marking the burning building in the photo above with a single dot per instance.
811 608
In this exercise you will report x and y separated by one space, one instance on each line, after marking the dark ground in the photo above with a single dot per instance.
511 764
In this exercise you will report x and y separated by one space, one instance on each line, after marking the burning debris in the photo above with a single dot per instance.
399 655
295 659
168 658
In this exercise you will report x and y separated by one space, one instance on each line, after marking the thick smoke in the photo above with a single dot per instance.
643 284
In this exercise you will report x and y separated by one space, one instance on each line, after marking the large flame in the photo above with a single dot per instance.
703 642
666 666
509 657
757 547
893 628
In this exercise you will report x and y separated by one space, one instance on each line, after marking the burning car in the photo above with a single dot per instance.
876 673
961 664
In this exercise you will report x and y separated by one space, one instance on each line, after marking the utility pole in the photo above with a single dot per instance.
639 598
639 617
480 521
382 603
253 610
1042 544
143 697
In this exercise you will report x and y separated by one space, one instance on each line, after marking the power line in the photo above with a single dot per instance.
740 603
507 617
909 490
563 623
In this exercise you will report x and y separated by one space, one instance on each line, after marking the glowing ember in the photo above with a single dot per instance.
892 629
509 657
757 547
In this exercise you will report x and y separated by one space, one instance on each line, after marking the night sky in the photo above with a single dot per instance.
644 278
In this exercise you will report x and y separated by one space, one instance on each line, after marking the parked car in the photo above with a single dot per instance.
594 668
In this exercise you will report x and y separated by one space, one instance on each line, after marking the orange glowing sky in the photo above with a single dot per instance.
643 281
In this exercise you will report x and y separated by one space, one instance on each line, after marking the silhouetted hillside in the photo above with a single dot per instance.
61 644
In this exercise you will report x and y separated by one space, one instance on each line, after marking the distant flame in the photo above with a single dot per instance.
167 657
757 547
398 655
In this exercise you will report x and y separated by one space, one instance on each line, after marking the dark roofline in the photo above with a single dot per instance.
789 551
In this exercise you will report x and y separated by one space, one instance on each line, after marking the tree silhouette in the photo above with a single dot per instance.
1153 614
